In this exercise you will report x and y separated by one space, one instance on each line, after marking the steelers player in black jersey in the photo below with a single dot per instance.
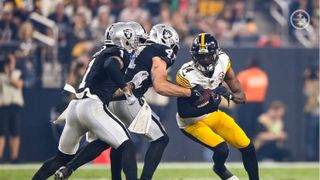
151 60
88 113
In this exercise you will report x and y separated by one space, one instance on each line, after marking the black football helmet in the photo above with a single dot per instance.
205 53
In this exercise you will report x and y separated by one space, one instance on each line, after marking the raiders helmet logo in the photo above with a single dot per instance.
167 34
127 33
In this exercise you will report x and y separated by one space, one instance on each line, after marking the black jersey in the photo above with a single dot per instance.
97 79
143 62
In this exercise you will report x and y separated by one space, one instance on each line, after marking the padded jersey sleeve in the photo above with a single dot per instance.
185 76
225 59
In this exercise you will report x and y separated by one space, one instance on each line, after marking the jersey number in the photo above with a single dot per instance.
83 82
170 54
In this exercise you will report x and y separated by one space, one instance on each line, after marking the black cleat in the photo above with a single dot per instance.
225 175
62 173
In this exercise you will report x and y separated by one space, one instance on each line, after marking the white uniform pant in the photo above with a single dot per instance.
92 116
127 113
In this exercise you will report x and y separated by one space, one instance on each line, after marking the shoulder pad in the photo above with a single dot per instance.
184 75
163 52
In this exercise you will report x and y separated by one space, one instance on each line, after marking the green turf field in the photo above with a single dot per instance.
177 172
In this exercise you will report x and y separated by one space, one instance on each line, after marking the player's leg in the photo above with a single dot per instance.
108 128
15 118
157 136
87 154
158 142
68 145
202 134
3 128
228 129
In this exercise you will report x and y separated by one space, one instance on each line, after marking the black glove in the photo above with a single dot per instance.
196 92
223 91
215 101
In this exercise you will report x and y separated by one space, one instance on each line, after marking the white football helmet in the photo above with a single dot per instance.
109 31
124 36
166 35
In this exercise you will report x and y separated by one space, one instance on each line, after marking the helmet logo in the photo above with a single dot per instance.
166 34
127 33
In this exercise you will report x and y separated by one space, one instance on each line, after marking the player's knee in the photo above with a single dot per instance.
63 158
126 145
221 150
164 140
248 149
242 143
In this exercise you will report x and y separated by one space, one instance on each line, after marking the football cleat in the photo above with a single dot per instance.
225 175
62 173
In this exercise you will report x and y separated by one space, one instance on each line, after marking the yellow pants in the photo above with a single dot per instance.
216 128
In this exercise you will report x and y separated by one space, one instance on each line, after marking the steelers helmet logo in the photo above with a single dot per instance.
221 76
127 33
300 19
167 34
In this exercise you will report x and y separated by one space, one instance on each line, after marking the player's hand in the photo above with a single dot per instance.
139 78
196 92
223 91
215 100
127 90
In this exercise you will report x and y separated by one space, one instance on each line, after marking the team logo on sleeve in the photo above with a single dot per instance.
167 34
221 76
127 33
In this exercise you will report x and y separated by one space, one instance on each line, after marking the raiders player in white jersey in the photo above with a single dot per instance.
151 62
89 113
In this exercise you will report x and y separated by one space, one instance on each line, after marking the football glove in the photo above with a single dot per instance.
139 78
196 92
223 91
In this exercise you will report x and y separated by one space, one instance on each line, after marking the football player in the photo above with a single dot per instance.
89 113
151 59
212 128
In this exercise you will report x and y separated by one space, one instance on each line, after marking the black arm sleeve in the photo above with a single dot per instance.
113 68
187 110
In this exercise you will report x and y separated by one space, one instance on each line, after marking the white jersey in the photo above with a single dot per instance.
189 76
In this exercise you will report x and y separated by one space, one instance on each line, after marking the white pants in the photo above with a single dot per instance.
127 113
89 115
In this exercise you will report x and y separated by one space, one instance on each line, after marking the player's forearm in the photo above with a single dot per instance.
239 97
167 88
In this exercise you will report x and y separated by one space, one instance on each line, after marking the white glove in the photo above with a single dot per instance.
139 78
130 98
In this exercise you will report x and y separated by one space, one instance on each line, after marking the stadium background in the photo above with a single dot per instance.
52 49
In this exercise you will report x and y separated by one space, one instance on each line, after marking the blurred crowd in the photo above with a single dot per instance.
67 31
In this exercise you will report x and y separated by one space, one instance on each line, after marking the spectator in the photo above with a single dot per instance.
132 12
311 113
81 31
8 30
165 14
63 23
11 102
78 6
246 32
255 84
222 33
27 55
179 23
269 142
100 23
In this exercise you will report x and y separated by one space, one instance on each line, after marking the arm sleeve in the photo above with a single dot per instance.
113 68
187 110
